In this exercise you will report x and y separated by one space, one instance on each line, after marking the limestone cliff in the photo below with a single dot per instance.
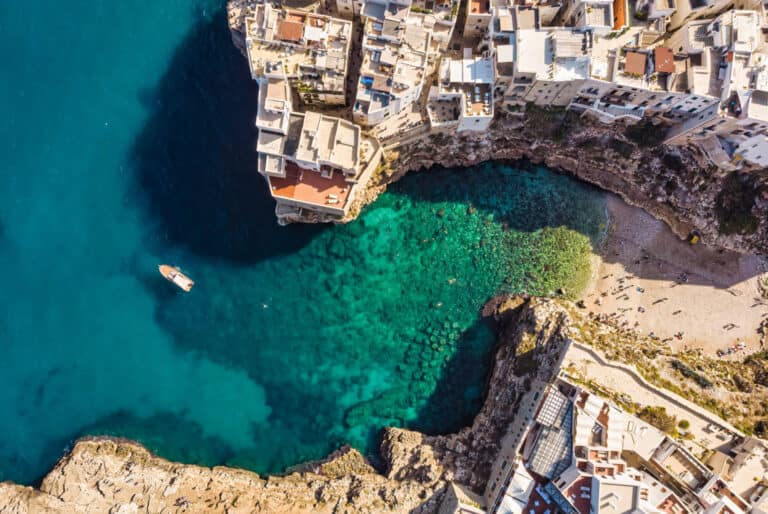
119 476
675 184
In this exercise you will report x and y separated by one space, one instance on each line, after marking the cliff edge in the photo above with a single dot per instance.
120 476
534 334
681 185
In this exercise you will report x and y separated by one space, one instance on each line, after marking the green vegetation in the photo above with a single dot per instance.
614 35
645 134
684 424
621 147
687 372
757 364
734 204
421 10
733 390
554 123
658 417
563 256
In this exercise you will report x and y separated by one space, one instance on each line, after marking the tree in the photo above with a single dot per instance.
658 417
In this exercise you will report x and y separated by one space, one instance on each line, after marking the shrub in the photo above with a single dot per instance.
684 424
658 417
620 147
645 133
672 161
734 203
687 372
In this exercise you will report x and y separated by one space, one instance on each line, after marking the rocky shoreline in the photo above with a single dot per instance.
676 184
115 475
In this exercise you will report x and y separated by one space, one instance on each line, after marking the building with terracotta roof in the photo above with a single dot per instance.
663 60
309 49
635 63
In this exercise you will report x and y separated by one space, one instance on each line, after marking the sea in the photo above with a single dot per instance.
126 141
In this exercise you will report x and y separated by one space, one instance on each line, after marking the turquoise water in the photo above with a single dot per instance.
126 138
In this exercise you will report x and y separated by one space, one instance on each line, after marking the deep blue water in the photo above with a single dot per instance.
126 140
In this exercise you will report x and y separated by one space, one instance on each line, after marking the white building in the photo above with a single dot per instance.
468 84
394 66
477 23
310 50
592 14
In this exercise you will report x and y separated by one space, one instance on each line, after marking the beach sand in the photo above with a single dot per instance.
711 296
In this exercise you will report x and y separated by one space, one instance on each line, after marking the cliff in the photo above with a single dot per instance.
119 476
111 475
675 184
678 185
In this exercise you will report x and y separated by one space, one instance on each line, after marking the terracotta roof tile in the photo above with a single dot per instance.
289 30
634 63
663 59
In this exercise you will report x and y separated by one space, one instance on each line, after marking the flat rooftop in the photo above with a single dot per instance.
534 53
745 31
444 111
329 139
615 498
291 41
471 71
311 187
598 15
479 6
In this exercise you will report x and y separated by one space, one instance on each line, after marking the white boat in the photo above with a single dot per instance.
174 274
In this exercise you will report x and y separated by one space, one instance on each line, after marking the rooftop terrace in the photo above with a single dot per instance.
293 42
311 187
479 6
598 15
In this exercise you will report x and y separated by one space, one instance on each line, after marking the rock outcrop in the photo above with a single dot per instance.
119 476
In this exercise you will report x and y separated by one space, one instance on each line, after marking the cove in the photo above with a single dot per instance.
296 339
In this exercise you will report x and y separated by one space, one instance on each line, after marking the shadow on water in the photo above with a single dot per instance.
705 265
195 158
459 387
523 196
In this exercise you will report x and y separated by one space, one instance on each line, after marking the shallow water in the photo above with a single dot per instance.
127 141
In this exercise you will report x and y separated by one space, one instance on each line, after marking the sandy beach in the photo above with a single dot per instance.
690 295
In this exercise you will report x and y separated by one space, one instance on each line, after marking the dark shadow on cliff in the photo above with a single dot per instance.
195 159
459 388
